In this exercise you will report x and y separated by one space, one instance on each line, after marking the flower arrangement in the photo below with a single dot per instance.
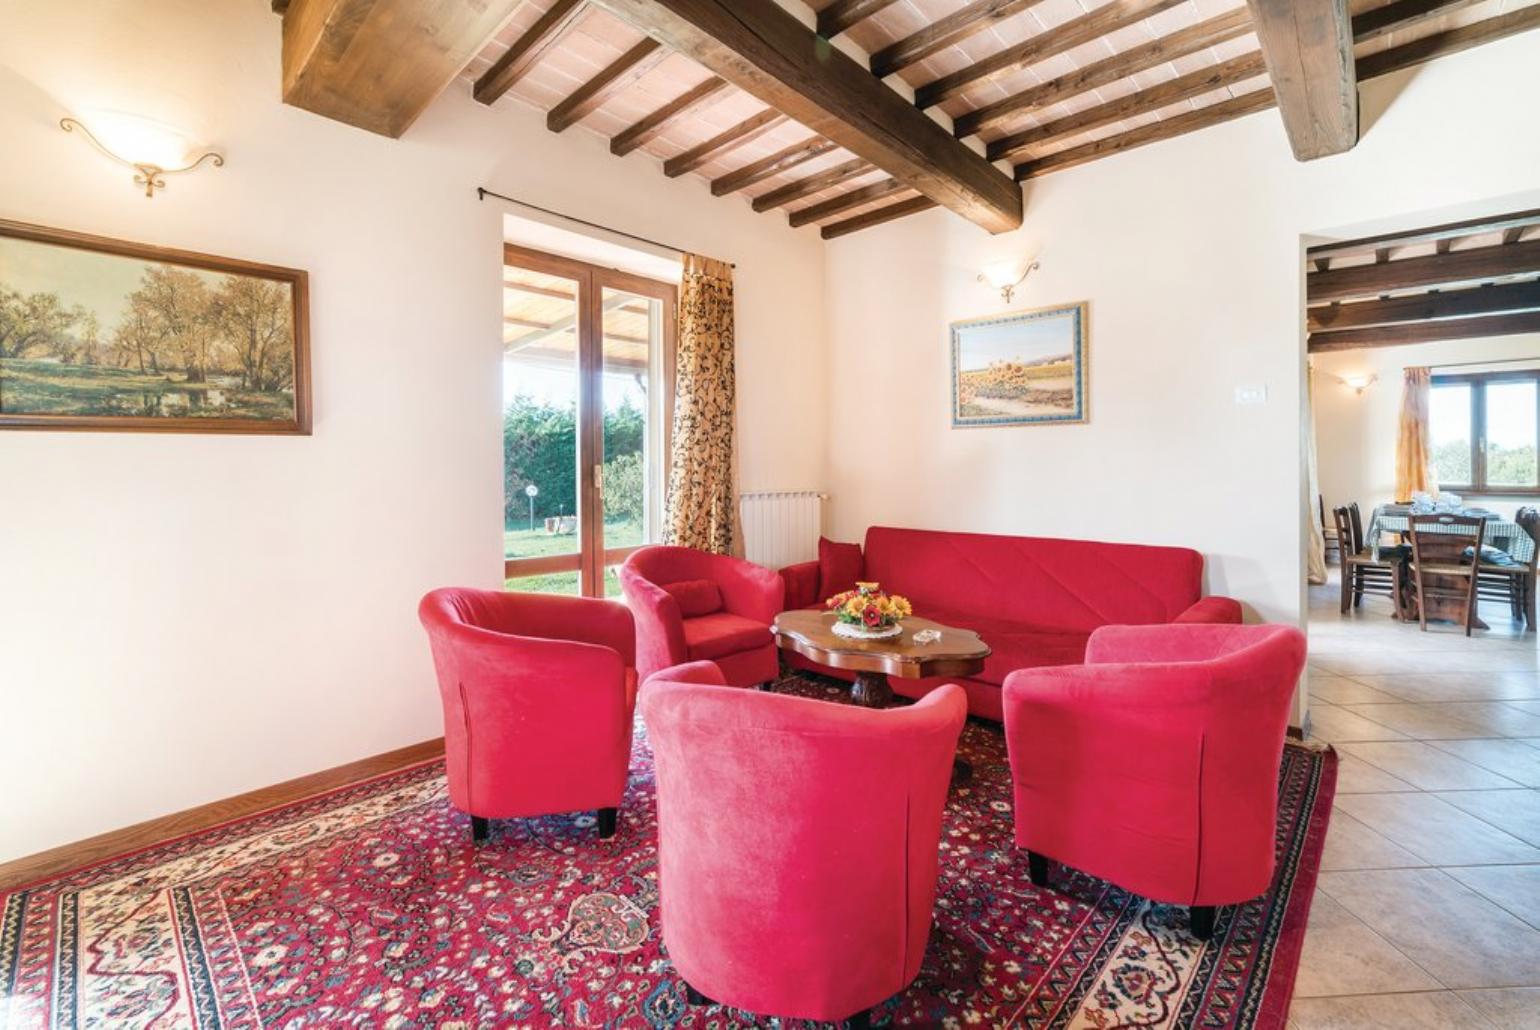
868 608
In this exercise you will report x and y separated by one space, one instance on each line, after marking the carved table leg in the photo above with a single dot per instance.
871 690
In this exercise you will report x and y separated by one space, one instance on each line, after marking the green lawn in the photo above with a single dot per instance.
521 543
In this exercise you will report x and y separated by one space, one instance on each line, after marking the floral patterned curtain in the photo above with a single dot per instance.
1413 465
702 510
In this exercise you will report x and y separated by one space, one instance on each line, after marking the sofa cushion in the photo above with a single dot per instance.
695 597
721 634
1014 646
839 566
1064 585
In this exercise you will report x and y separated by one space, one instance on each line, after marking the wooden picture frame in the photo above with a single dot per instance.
83 348
1021 368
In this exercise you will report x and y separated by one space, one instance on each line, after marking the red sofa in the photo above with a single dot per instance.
1155 764
538 695
693 606
1034 600
797 842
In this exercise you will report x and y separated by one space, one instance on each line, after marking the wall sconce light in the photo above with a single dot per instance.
1359 383
1005 276
152 150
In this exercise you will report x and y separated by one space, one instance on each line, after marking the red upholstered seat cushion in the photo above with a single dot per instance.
1014 646
721 634
839 566
695 597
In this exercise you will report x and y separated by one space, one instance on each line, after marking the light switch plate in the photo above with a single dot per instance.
1251 395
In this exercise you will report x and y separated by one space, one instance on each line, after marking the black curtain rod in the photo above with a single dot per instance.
482 193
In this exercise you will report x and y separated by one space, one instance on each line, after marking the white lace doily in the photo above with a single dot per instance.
854 632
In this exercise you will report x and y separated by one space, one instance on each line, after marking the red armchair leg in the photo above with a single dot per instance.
481 829
1037 869
1203 921
608 817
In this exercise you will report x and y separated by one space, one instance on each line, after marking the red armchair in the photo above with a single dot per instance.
1155 764
539 693
694 606
797 842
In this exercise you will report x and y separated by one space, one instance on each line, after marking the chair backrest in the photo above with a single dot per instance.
1358 526
1344 525
1529 521
1444 539
787 821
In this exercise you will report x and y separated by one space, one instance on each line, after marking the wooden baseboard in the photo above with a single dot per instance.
86 852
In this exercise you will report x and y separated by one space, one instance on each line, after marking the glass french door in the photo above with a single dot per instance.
587 406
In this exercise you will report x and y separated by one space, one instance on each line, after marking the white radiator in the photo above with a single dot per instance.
781 527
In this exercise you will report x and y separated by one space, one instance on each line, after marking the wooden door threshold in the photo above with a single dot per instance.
115 843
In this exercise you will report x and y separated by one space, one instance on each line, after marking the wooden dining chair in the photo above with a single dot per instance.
1362 571
1443 577
1328 531
1501 577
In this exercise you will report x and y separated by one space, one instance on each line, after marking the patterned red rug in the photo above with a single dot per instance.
369 906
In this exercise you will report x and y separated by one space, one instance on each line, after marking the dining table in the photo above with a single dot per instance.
1501 533
1504 534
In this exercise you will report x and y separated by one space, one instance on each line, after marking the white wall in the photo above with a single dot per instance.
1356 434
1189 253
187 617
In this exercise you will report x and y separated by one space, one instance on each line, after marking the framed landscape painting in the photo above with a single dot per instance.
101 334
1021 368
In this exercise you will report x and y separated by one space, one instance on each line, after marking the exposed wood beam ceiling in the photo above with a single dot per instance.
617 77
650 127
842 14
764 50
1480 279
744 95
527 50
744 132
342 58
771 166
858 197
1308 46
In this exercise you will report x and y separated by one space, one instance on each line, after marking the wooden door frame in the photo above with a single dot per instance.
592 280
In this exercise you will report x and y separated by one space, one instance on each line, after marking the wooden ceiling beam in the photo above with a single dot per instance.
1458 266
1108 70
842 14
1166 128
1450 41
767 167
806 187
1447 231
1401 14
526 51
845 201
1184 87
877 216
1076 32
651 126
766 51
616 77
1426 332
1423 307
377 64
1308 46
1514 234
724 142
977 16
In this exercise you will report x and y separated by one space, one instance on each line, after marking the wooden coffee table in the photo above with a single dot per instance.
810 633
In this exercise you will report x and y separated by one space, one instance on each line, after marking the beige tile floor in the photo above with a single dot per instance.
1427 912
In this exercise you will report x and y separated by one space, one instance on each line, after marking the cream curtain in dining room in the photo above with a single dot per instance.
1414 471
1315 554
702 510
